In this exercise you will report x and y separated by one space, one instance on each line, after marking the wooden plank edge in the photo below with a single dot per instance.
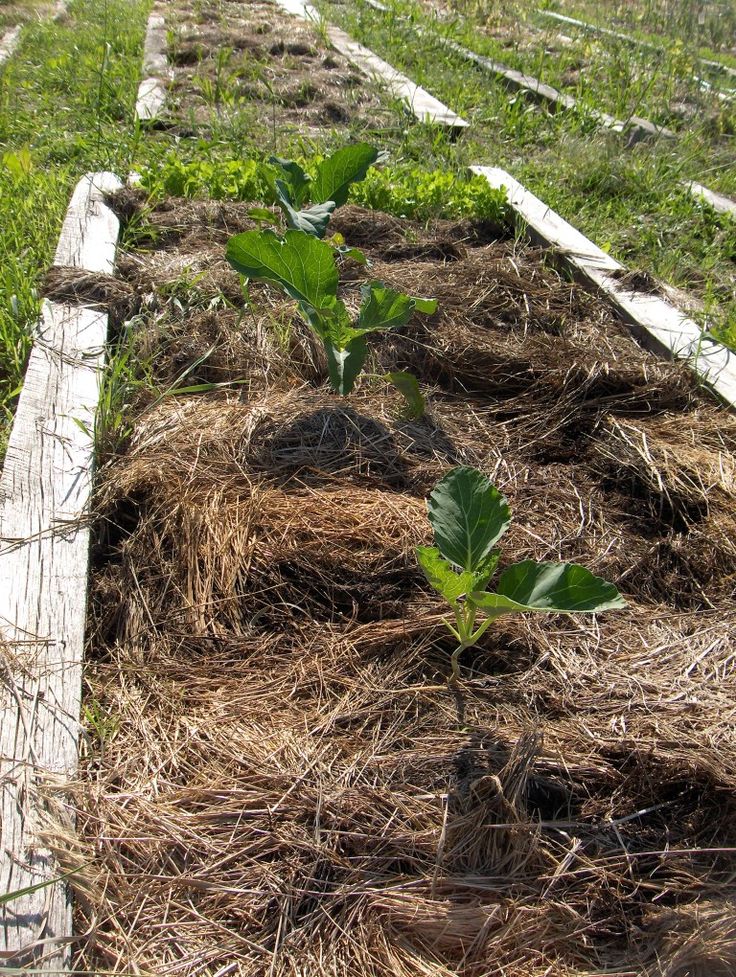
44 553
156 72
658 324
9 42
595 29
719 203
424 106
635 127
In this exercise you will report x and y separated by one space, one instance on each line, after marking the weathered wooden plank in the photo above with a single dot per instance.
627 38
44 541
719 203
9 42
636 127
656 322
151 96
421 104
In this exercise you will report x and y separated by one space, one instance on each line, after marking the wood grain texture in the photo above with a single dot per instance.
656 322
151 96
422 105
44 541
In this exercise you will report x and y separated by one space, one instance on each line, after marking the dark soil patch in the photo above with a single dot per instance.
232 57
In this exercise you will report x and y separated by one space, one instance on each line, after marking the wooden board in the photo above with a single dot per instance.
425 107
9 42
636 128
594 29
719 203
152 90
44 542
656 322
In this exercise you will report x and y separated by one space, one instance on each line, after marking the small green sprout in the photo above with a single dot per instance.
326 190
469 515
305 269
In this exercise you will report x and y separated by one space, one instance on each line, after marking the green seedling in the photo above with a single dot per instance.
304 267
469 515
326 190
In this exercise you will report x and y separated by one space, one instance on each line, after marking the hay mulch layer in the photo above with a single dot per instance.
251 64
278 780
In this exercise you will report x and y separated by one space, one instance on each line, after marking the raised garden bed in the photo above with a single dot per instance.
228 55
278 779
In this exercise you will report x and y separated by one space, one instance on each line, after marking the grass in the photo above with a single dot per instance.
629 201
14 12
66 107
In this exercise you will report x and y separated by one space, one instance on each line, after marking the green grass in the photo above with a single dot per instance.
13 12
629 201
66 107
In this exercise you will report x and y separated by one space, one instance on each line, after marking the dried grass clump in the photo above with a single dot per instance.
278 780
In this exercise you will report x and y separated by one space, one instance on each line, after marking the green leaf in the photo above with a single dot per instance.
344 364
448 582
335 174
296 180
468 515
312 221
262 215
345 251
302 265
427 306
383 308
19 163
408 386
558 588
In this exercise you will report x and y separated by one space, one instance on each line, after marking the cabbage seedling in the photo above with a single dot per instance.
469 515
327 189
305 269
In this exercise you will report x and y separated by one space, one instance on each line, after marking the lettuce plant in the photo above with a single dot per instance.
304 267
469 515
326 190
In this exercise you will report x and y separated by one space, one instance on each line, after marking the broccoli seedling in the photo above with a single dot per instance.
326 190
469 515
304 267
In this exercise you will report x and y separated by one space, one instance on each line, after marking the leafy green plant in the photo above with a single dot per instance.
304 267
326 190
469 516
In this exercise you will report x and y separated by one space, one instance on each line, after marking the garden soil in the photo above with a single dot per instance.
277 779
252 65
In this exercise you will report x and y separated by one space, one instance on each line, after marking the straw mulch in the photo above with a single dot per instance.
278 780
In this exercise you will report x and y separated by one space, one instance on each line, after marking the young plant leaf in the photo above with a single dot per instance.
383 308
313 220
301 264
344 364
558 588
451 583
335 174
468 515
262 215
408 386
426 306
293 176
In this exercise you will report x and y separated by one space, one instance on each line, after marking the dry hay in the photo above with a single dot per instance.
278 780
